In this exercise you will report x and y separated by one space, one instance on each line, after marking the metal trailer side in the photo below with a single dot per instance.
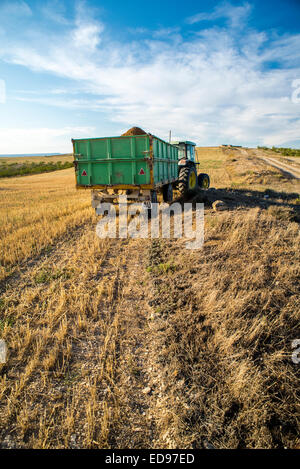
143 162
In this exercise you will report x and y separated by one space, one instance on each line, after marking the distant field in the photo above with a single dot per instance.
22 166
35 159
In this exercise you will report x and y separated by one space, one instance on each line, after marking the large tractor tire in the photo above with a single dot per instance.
203 181
188 181
168 193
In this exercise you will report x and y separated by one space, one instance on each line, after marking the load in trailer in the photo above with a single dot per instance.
139 166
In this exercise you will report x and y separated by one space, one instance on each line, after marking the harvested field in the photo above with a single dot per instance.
224 325
35 211
140 343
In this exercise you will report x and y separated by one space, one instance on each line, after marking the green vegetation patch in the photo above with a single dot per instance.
6 322
23 169
283 151
45 276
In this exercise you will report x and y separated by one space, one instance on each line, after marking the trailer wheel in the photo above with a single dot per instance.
188 181
203 181
168 193
153 196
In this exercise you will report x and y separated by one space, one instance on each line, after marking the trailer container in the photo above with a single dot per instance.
132 162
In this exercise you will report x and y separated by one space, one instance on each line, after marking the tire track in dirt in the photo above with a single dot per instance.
134 429
121 362
170 294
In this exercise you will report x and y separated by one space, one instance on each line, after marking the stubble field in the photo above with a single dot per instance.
143 343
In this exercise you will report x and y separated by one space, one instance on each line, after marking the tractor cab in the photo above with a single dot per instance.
186 150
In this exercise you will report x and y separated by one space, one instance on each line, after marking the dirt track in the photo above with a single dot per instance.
286 168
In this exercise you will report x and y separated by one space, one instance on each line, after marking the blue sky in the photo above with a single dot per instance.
213 72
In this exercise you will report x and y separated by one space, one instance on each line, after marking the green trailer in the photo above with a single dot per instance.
139 166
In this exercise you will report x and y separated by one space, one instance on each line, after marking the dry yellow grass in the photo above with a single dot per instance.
35 211
240 168
224 325
144 344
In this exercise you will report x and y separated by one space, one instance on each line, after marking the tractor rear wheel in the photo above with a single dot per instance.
188 181
203 181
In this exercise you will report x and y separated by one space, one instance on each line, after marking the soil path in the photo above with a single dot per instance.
286 168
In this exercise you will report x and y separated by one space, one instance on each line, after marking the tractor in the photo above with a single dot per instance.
188 180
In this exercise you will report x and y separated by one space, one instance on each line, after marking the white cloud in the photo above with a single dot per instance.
284 49
87 36
212 88
38 140
235 15
61 100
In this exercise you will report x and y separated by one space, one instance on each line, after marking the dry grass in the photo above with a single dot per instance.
224 324
35 211
240 168
141 344
212 161
68 322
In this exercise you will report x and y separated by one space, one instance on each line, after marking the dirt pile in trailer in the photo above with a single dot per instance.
134 131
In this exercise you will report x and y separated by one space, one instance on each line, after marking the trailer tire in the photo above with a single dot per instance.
187 181
203 181
153 196
168 193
